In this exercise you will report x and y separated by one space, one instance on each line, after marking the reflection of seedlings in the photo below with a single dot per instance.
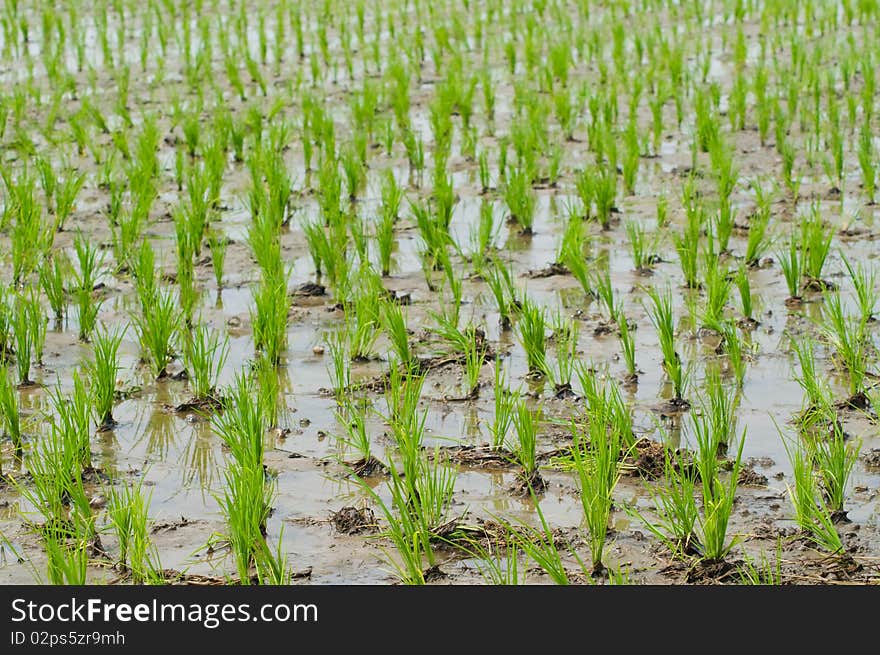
160 433
199 457
103 373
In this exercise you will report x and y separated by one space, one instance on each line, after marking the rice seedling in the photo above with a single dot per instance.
9 410
867 162
103 372
394 323
520 199
717 500
565 334
269 316
675 504
847 335
53 274
474 357
814 385
204 352
65 193
815 246
597 466
340 363
24 340
605 292
524 449
127 512
156 328
539 544
686 247
660 314
811 512
864 283
37 321
217 244
531 327
762 571
835 458
743 285
791 262
641 246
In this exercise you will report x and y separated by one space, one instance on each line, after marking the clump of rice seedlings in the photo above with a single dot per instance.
217 244
72 419
340 363
847 335
762 571
743 285
394 324
37 321
483 236
127 511
605 291
53 274
720 406
85 277
24 340
718 496
539 544
204 353
565 334
811 511
67 560
500 282
520 199
269 316
156 328
474 357
506 401
675 504
660 313
597 465
835 458
815 246
531 326
362 320
627 346
864 283
641 246
352 416
524 449
867 162
65 193
815 386
384 231
501 567
758 239
737 356
790 261
103 371
9 410
686 246
717 285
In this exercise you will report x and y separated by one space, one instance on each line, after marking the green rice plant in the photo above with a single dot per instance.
605 193
864 283
66 191
474 357
737 355
352 416
384 231
241 424
506 401
762 571
758 239
24 340
815 245
660 313
217 244
394 323
675 504
245 504
686 246
814 385
720 406
71 421
37 321
520 199
572 256
269 316
539 544
204 353
835 458
103 372
598 470
156 328
717 284
811 512
791 262
501 567
641 245
9 409
53 273
605 291
847 335
340 363
743 285
524 448
566 337
717 503
531 327
627 346
867 161
127 512
67 563
499 279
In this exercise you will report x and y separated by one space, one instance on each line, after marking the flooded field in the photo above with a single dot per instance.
438 292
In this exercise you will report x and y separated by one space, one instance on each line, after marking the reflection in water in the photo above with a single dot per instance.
200 458
159 433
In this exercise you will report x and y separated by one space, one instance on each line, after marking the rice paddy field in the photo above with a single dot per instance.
481 292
